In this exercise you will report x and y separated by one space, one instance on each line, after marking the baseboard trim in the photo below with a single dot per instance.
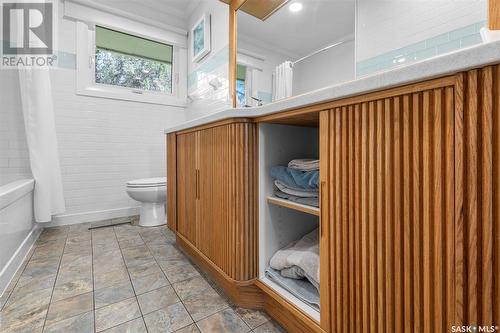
76 218
15 262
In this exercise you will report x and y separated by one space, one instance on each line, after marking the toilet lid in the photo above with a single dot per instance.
148 182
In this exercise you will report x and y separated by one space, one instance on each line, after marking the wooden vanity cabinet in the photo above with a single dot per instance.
215 195
410 206
413 206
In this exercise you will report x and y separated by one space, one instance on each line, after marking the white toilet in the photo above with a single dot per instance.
151 192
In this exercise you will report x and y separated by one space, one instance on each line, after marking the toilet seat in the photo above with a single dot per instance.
148 182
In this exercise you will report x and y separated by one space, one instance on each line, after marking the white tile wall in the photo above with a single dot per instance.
385 25
14 160
103 143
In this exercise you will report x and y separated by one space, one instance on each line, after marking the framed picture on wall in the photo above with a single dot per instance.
201 45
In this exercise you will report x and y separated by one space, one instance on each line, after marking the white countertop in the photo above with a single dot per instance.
461 60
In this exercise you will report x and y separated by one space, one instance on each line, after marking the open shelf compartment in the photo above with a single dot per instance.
283 221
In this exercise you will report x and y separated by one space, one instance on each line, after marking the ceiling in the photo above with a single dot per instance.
169 12
318 24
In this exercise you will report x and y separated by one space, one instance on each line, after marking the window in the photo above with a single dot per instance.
133 62
240 83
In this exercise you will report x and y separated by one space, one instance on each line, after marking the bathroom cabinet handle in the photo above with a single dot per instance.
321 199
197 184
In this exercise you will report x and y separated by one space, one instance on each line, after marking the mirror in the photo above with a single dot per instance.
302 47
394 33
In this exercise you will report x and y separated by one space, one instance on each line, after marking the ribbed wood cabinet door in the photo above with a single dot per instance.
187 186
227 203
213 198
391 181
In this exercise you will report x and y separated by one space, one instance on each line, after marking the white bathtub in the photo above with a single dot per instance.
18 231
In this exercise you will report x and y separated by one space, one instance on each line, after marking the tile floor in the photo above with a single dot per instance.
118 279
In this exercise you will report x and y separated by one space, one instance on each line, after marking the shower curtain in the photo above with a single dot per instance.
38 112
282 81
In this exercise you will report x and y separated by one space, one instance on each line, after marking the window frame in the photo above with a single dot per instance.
87 85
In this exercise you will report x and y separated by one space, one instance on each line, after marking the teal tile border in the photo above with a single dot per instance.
431 47
266 97
209 64
64 60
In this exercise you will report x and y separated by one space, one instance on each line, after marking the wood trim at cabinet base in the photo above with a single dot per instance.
242 293
286 314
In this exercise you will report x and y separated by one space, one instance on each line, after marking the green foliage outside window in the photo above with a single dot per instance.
131 61
124 70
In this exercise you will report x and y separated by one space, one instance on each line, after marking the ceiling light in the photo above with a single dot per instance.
295 7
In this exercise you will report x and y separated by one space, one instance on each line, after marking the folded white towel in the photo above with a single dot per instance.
304 164
303 253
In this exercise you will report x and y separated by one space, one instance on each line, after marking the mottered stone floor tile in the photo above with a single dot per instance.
109 278
253 318
133 326
82 323
150 282
118 279
113 294
116 314
178 270
70 307
189 329
64 290
168 319
145 268
157 299
269 327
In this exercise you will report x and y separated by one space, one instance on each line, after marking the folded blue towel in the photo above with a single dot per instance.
296 178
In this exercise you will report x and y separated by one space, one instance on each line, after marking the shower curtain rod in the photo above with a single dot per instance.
321 50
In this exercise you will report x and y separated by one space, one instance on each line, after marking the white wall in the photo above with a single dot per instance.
385 25
205 99
14 159
329 67
103 143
